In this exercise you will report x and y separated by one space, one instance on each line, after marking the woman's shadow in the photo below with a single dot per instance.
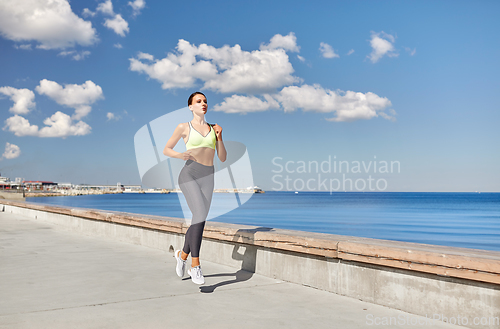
248 259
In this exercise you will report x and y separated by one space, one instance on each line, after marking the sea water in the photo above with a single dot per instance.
469 220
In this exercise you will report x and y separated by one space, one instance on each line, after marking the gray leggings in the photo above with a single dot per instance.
197 184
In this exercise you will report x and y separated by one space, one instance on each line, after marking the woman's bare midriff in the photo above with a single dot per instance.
203 155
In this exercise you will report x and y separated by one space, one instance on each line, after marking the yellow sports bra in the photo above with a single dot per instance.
196 139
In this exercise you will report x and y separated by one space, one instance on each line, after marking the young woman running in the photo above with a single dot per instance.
196 178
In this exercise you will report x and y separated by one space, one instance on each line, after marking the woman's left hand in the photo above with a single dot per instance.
218 131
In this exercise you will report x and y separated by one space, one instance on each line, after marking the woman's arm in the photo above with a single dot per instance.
221 149
169 147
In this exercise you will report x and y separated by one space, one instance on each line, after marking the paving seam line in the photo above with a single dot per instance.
136 300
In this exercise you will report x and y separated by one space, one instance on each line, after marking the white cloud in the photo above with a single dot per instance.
118 45
77 56
66 52
249 72
24 47
350 52
128 115
346 106
117 24
287 42
11 151
411 51
20 126
51 23
382 44
327 51
61 125
112 116
391 117
259 74
88 13
106 7
24 99
79 97
175 71
226 69
145 56
137 6
58 125
245 104
302 59
81 55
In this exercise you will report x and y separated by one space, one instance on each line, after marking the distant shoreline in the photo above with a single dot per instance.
32 194
54 194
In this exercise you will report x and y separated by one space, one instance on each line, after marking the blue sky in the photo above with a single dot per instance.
414 82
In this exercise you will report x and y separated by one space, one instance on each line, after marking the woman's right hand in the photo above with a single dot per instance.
187 156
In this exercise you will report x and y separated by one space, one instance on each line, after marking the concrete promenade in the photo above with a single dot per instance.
57 279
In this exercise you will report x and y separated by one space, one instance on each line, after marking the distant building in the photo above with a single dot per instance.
64 186
38 185
6 184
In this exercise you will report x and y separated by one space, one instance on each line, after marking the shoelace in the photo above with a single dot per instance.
197 272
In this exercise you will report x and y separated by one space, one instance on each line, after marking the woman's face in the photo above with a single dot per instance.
199 104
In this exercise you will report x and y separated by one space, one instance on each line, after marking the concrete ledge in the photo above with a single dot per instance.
412 277
18 196
471 264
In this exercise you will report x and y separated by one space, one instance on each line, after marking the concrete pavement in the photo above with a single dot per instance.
50 278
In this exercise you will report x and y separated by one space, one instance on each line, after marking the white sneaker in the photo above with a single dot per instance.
196 275
181 264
